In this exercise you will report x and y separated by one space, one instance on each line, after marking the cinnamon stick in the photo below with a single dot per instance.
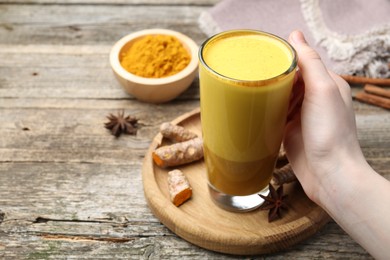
372 89
373 99
283 175
365 80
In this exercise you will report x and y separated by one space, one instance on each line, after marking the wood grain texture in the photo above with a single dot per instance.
116 2
81 24
68 189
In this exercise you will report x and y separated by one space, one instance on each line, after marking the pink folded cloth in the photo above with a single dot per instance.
352 36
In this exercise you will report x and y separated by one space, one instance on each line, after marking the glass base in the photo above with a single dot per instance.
237 203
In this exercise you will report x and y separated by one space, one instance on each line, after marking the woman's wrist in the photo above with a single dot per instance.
345 185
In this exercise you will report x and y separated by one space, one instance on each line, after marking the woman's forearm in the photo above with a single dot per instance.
359 204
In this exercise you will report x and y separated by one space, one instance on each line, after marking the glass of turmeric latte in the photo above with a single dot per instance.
246 78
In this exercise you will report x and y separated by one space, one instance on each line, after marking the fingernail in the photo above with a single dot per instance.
298 37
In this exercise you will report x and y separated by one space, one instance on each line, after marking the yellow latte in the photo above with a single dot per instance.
248 57
245 84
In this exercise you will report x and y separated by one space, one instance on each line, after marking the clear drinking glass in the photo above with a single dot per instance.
246 79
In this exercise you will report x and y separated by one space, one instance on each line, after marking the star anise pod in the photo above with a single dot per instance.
120 124
274 202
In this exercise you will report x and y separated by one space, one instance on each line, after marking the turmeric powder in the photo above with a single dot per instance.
155 56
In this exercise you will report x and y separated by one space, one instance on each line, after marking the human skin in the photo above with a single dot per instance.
322 146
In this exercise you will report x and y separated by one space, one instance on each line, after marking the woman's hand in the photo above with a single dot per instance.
321 130
322 146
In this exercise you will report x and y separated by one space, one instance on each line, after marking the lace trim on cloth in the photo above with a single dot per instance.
366 54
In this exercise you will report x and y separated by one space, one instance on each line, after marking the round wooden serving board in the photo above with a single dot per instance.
202 223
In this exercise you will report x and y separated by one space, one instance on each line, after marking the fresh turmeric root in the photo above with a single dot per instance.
179 187
176 133
179 153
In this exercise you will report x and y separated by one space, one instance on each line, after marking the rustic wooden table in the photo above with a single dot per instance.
69 189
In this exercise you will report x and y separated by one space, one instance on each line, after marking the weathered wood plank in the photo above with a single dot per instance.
71 191
115 2
169 247
91 24
35 71
73 129
59 210
76 134
81 71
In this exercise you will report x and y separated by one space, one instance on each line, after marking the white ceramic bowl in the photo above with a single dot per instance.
154 90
